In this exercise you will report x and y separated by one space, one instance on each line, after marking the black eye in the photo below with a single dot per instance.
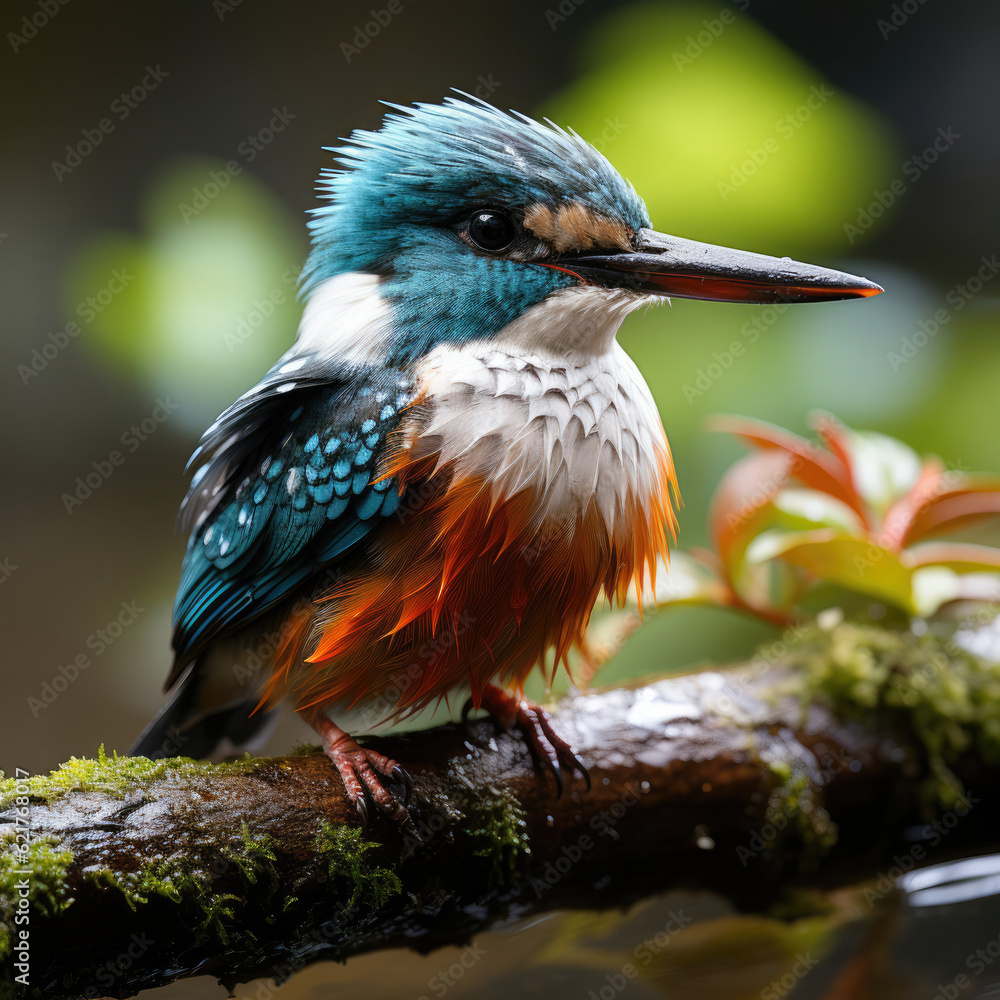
491 231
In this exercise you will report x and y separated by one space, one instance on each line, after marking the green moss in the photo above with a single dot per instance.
926 685
341 853
175 878
496 820
192 880
114 775
47 892
795 807
256 860
182 882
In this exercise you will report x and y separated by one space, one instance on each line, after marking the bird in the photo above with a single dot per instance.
429 492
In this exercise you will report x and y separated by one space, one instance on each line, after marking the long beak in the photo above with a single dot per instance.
668 265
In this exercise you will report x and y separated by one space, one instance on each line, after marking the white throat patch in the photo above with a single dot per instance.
346 318
572 324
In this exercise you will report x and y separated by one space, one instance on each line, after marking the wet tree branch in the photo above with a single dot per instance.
142 874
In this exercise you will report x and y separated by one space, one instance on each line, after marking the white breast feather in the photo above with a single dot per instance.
575 432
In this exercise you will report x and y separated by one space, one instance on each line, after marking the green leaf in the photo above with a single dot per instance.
883 468
937 585
934 586
837 558
801 509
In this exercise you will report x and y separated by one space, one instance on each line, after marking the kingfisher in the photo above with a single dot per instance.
427 495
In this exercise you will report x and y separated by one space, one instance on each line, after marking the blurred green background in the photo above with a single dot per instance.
157 164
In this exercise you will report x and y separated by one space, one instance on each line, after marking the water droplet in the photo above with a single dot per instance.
705 843
645 786
549 821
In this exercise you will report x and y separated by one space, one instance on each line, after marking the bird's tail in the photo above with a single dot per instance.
184 727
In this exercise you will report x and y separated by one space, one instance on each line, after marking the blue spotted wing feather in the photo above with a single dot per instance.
287 486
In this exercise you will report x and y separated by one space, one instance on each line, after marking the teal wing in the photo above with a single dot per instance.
286 488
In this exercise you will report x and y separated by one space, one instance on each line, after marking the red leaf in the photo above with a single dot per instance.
831 430
954 510
898 520
740 501
962 557
811 465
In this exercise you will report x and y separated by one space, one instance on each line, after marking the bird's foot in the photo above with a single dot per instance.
360 768
548 748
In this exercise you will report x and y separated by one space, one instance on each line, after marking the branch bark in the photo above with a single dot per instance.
706 781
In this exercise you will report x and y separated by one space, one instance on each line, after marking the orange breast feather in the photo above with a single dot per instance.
463 587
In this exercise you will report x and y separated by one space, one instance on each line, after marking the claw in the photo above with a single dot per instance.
557 774
360 768
405 780
546 746
564 751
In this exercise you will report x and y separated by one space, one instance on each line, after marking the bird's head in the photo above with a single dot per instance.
459 222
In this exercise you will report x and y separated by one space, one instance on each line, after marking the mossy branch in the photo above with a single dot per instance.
746 781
